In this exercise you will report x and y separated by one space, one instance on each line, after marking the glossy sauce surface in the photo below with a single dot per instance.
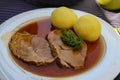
42 28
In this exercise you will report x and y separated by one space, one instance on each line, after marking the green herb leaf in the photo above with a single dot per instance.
70 39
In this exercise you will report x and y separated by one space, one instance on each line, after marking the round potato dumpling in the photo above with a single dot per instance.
63 17
88 27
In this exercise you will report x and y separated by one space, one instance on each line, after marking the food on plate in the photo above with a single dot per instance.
63 17
43 29
31 48
88 27
66 55
62 49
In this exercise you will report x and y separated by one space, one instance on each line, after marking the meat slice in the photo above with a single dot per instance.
66 55
31 48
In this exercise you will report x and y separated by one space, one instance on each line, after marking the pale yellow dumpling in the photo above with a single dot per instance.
88 27
63 17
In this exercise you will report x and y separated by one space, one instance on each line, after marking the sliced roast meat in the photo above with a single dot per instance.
31 48
66 55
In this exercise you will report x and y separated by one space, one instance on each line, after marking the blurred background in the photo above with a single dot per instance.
9 8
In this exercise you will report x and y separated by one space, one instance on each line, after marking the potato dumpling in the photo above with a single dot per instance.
63 17
88 27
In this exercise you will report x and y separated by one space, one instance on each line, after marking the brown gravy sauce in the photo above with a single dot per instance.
42 28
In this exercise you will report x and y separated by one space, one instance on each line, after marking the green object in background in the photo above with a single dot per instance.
103 2
110 4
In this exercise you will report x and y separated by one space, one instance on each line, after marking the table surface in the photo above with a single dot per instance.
10 8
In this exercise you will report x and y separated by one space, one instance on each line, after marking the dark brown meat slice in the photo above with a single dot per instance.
66 55
31 48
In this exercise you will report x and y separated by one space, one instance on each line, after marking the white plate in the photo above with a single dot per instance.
107 69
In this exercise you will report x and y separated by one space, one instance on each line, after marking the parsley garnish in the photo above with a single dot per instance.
70 39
